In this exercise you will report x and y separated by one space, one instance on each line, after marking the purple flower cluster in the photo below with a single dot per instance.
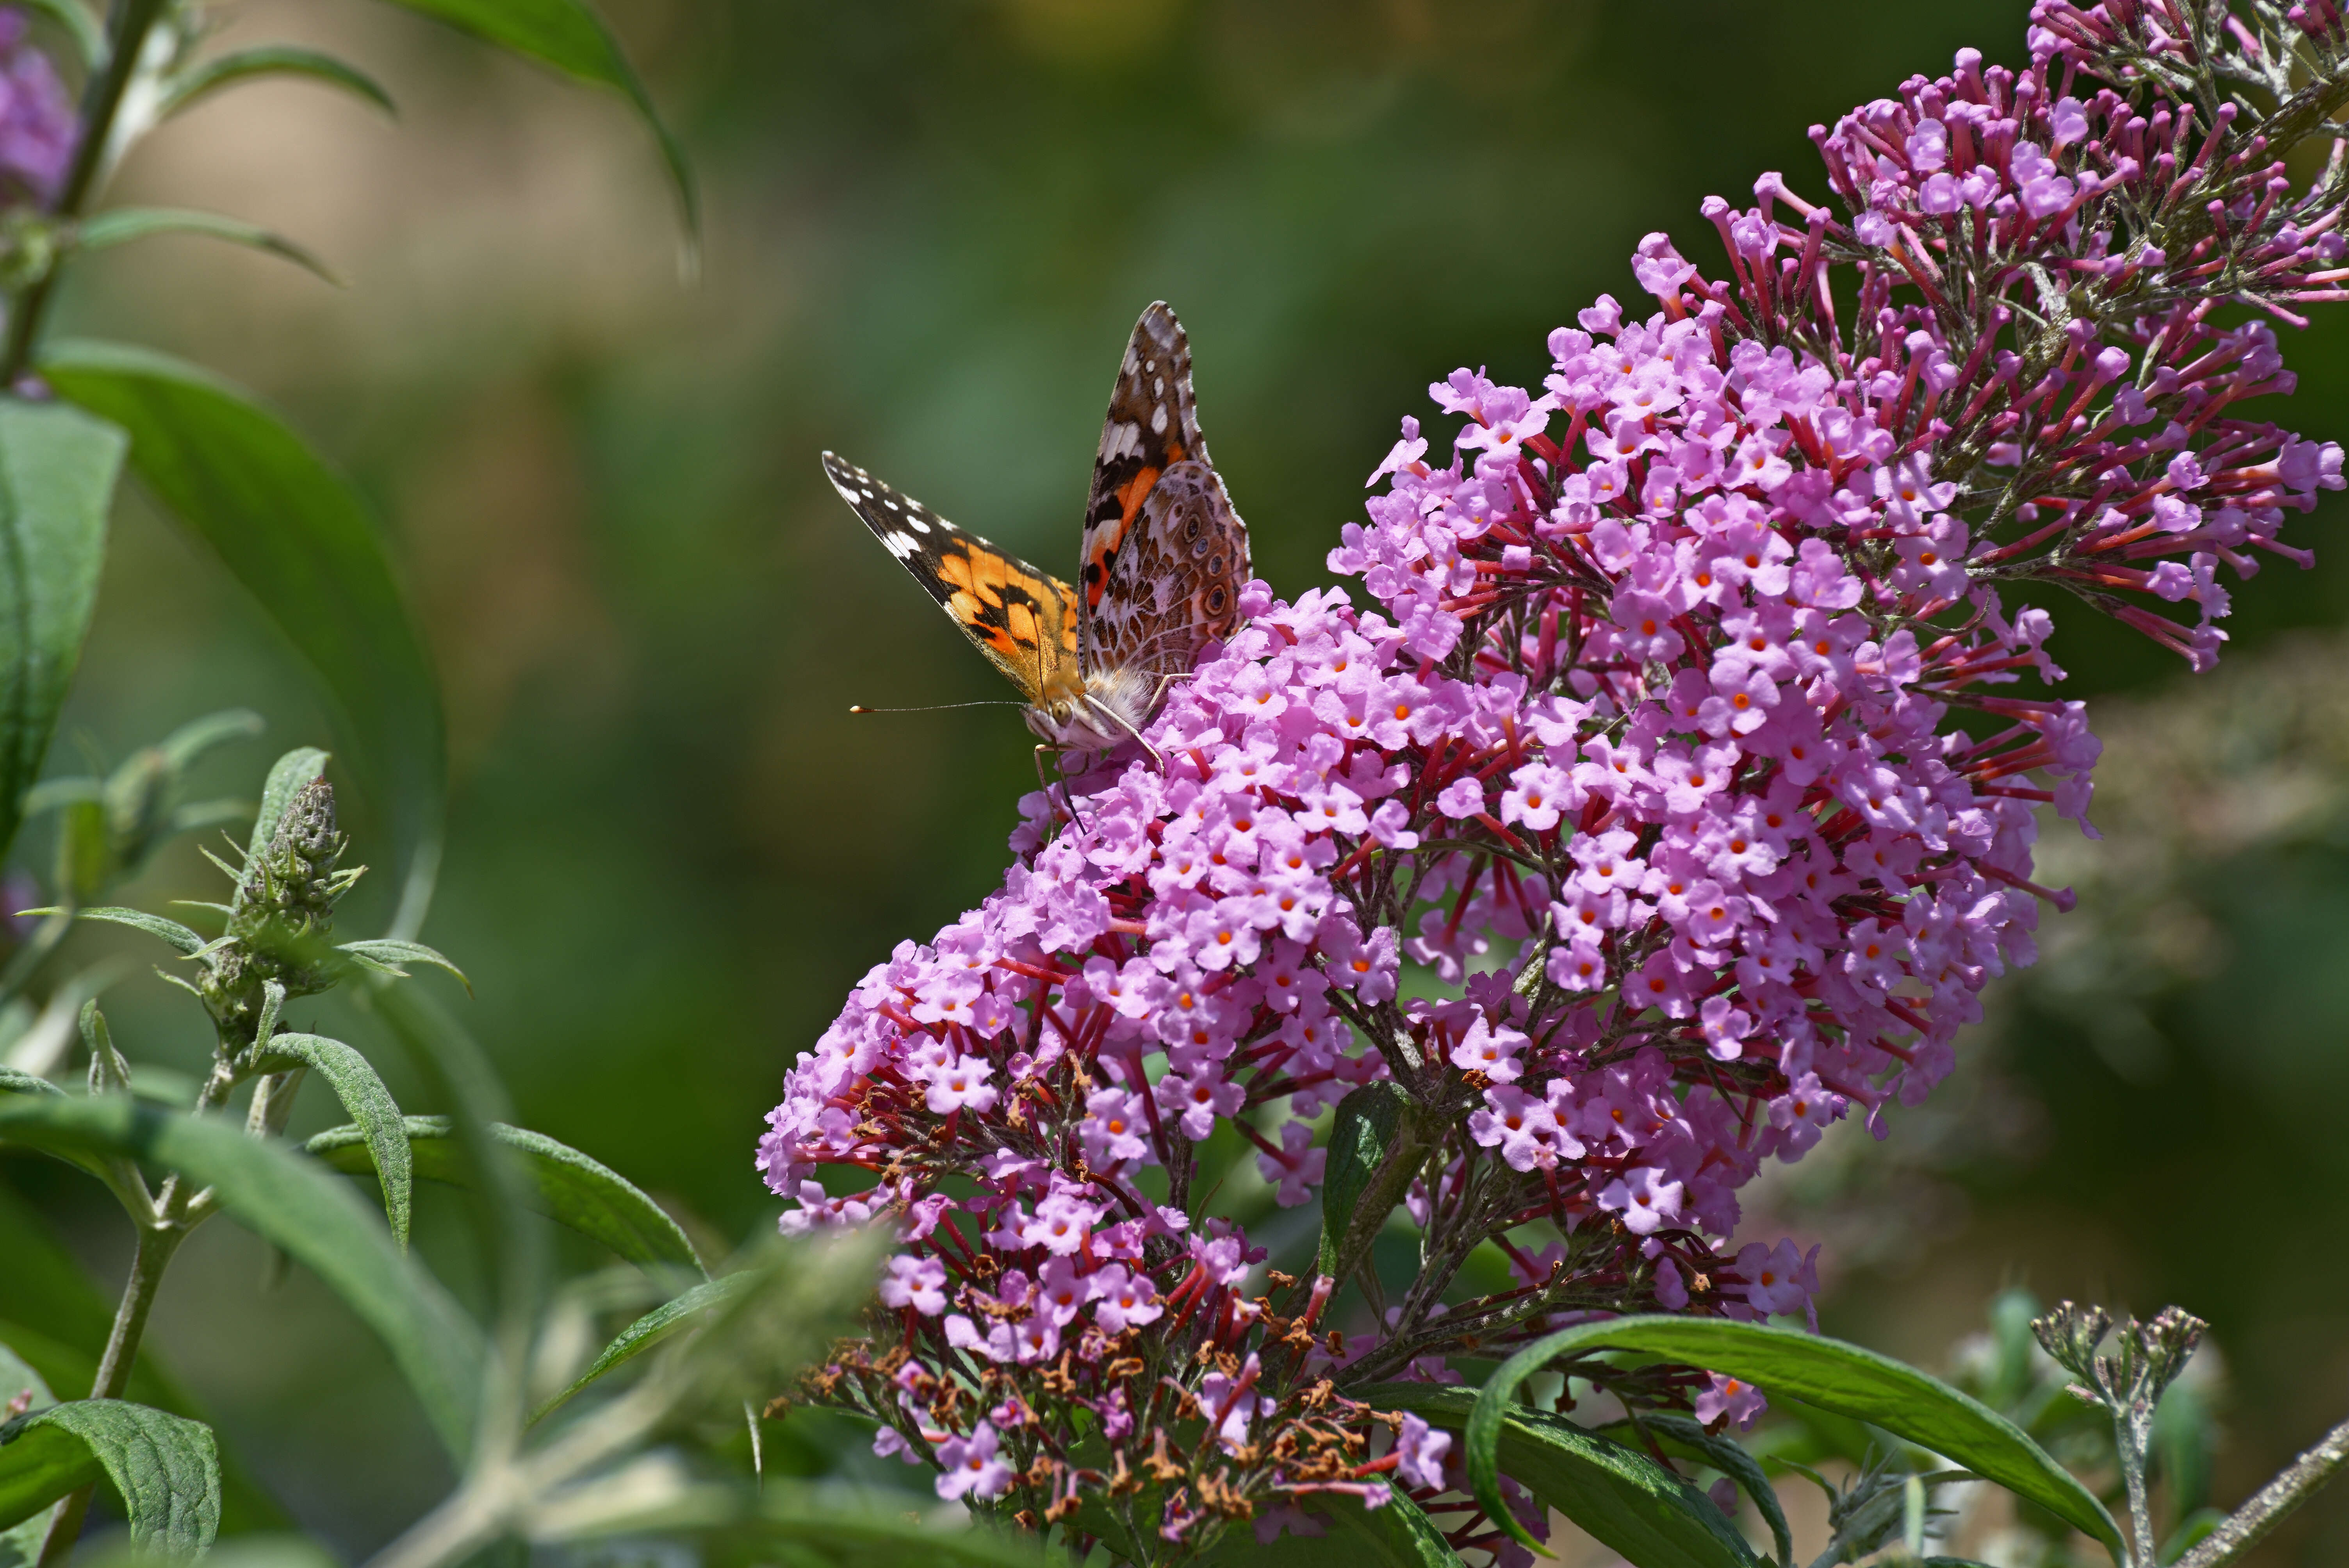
1671 798
37 126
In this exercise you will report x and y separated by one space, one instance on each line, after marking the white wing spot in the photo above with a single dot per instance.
900 546
1119 439
916 524
1158 420
1158 386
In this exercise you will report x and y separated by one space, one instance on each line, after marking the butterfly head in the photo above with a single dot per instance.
1110 710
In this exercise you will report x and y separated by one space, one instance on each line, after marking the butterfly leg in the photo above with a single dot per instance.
1106 711
1067 794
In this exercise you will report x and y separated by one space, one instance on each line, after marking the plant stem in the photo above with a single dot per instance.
101 100
2272 1503
157 1242
176 1213
2133 1426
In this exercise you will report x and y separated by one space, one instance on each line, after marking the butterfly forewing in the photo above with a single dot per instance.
1022 619
1164 553
1159 569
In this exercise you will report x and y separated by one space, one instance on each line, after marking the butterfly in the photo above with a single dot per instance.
1159 567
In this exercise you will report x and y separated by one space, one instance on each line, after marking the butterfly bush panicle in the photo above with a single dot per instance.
1687 722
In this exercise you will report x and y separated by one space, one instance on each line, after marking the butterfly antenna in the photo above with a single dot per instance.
941 706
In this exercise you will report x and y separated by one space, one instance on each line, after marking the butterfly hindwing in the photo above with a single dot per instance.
1152 425
1163 552
1174 585
1022 619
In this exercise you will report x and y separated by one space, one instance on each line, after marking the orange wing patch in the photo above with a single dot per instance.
1022 619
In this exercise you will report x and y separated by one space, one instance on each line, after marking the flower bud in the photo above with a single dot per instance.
283 909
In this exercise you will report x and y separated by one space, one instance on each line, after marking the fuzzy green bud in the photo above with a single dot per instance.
294 882
282 911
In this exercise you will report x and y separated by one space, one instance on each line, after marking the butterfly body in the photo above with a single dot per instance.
1160 563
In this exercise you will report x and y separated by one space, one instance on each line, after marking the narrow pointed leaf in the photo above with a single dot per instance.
648 1331
1619 1495
1829 1373
198 735
13 1081
570 36
370 1105
287 776
51 793
165 1468
565 1185
124 225
287 1200
392 955
223 70
1724 1454
170 931
299 538
57 472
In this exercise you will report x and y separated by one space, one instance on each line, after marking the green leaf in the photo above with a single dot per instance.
1619 1495
54 1317
20 1544
203 80
648 1331
51 793
565 1185
288 1201
165 1468
1829 1373
569 36
57 469
244 1506
124 225
1359 1135
80 24
302 766
170 931
297 535
390 954
11 1081
1396 1535
192 739
369 1104
1724 1454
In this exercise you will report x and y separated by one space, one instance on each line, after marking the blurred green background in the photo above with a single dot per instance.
930 227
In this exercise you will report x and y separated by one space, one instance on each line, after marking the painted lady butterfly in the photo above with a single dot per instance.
1160 564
